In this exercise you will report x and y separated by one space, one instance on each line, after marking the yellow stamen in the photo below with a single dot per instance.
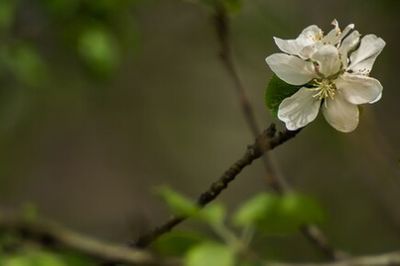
325 89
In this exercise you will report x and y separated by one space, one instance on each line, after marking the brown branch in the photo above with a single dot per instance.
266 141
388 259
50 234
278 184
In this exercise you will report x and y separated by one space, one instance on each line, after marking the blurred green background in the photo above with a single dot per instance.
101 101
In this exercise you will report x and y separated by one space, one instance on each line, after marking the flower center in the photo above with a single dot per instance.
325 89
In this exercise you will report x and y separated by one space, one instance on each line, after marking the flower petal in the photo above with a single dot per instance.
287 46
358 89
341 114
348 44
346 31
333 35
291 69
307 37
299 109
327 57
362 60
336 35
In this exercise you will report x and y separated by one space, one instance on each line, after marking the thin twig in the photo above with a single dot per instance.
277 182
266 141
222 27
388 259
50 234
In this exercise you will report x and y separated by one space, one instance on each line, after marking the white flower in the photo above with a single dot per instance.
333 70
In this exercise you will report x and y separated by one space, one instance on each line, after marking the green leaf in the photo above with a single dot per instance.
210 254
33 258
177 243
46 259
213 214
277 91
7 13
26 64
255 209
178 203
302 209
29 212
274 214
16 261
232 6
99 50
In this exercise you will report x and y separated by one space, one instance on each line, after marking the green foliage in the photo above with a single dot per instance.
99 50
95 32
232 6
33 258
30 212
25 63
28 255
7 13
214 214
277 91
274 214
255 209
210 254
177 243
179 204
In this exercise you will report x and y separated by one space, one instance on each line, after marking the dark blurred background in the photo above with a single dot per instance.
101 101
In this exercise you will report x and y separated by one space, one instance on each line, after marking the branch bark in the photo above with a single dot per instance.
266 141
50 234
388 259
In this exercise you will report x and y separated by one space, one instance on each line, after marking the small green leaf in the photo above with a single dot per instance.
213 214
210 254
29 212
16 261
302 209
26 64
178 203
177 243
274 214
255 209
7 13
277 91
233 6
46 259
99 50
33 258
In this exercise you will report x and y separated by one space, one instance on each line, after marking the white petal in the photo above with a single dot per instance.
327 57
299 109
309 50
333 35
340 114
287 46
358 89
348 44
346 31
291 69
307 37
362 60
336 35
377 98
